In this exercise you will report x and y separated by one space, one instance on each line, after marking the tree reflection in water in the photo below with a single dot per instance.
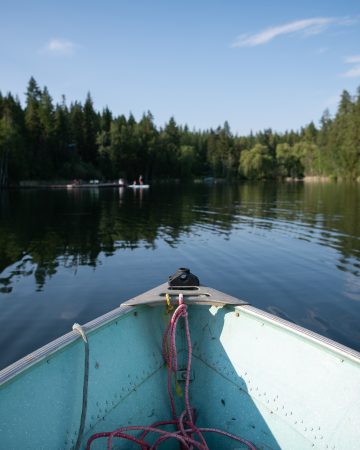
70 256
42 230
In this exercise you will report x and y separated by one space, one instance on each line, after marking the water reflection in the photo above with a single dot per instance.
41 231
70 256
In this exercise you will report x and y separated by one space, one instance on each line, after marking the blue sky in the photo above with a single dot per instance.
257 64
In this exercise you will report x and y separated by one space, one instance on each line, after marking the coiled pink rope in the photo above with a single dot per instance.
188 435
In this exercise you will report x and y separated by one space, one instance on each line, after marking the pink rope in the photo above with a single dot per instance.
187 433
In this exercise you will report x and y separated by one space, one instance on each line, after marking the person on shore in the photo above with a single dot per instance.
140 179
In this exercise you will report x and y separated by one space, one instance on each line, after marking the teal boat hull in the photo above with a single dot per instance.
253 374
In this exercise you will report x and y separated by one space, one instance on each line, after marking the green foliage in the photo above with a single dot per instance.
343 145
257 163
91 127
11 143
308 155
47 141
288 161
186 161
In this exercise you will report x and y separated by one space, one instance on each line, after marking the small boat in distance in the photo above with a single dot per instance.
243 378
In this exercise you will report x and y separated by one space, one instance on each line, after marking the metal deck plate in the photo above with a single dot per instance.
200 295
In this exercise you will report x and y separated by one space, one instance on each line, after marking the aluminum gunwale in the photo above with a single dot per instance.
151 297
44 352
213 297
155 297
304 332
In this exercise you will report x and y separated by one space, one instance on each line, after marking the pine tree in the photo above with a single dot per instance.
343 138
47 126
64 149
11 156
33 127
91 128
76 117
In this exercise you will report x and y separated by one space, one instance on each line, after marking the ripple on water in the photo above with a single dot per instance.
292 250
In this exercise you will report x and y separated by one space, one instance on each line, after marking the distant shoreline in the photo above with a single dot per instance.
45 141
310 179
320 179
317 179
63 184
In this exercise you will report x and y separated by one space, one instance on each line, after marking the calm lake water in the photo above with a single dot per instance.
69 256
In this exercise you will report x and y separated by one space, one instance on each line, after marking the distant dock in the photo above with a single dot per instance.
34 185
88 185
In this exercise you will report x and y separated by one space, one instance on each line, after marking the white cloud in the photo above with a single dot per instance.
353 59
60 47
354 72
306 27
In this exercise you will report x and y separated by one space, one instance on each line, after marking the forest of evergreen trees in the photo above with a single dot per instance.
44 141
